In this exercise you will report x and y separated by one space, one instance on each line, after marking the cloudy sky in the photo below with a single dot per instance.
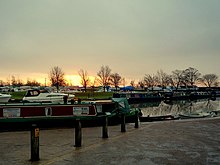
132 37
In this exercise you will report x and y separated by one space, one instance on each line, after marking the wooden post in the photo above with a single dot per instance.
78 133
105 127
123 129
136 119
35 132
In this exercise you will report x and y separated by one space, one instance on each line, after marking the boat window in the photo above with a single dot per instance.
55 95
33 93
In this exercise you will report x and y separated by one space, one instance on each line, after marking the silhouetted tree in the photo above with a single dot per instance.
32 83
163 78
177 78
16 82
84 78
56 76
132 83
115 79
191 76
13 81
150 80
104 76
209 80
141 84
1 83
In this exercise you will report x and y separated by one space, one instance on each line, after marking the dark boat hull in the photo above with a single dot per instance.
21 117
139 97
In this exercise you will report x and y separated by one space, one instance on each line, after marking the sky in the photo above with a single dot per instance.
132 37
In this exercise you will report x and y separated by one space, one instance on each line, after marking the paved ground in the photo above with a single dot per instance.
168 142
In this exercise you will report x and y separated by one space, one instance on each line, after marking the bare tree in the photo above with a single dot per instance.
141 84
209 80
150 80
132 83
1 83
8 81
56 76
191 76
13 81
16 82
163 78
84 78
32 83
115 79
104 76
177 78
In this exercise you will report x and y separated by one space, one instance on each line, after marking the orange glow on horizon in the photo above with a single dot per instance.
75 80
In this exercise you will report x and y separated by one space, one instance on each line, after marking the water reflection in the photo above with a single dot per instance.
175 108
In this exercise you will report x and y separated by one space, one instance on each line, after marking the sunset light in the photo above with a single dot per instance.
132 38
73 80
71 64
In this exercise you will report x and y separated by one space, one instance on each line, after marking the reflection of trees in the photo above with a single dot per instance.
212 105
179 107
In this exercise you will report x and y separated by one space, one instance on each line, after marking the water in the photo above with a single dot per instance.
179 107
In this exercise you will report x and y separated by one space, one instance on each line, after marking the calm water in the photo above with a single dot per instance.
179 107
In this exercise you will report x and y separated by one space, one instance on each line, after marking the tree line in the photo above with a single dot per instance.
105 77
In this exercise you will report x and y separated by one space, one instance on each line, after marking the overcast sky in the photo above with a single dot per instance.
132 37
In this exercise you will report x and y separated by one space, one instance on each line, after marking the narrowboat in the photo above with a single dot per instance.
138 97
23 115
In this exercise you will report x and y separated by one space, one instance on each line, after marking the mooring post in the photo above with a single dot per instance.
105 127
136 119
123 123
35 133
78 133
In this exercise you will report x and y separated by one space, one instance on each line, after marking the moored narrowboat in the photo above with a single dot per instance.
138 97
22 115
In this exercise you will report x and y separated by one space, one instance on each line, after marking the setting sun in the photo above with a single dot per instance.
73 80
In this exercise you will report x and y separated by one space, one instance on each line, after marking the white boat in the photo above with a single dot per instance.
4 98
36 95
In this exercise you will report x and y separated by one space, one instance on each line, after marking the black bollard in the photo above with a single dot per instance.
136 119
35 132
65 99
105 127
79 101
78 133
72 101
123 123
